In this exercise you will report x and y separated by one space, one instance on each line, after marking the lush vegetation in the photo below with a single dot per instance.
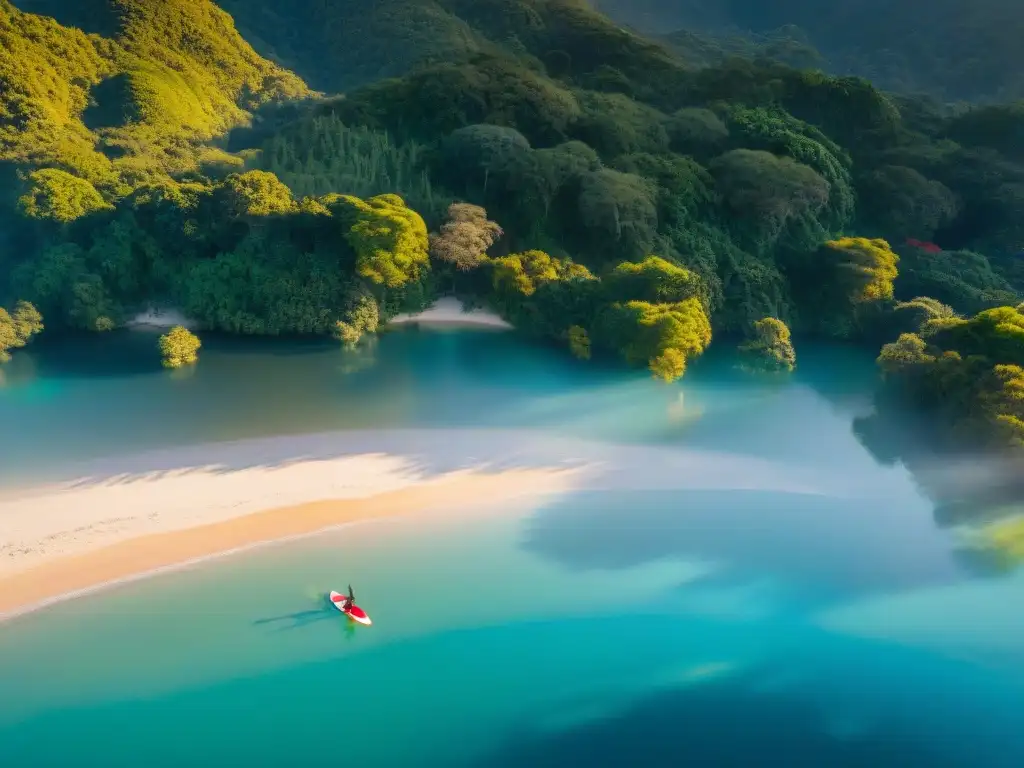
134 104
772 346
968 370
18 327
591 186
179 347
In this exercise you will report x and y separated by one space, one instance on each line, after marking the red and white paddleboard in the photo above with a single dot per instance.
354 612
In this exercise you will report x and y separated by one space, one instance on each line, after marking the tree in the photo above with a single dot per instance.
18 328
847 288
771 347
664 336
361 317
684 188
995 334
909 350
697 131
390 240
618 211
256 193
967 375
868 266
179 347
901 202
616 124
918 313
771 191
465 237
58 196
1005 403
579 342
523 273
963 279
654 280
480 150
669 365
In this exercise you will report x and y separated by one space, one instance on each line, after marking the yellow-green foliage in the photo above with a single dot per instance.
390 240
117 110
771 346
179 347
871 265
257 193
363 316
662 335
1005 403
969 370
997 334
669 365
58 196
579 342
910 349
654 279
46 71
523 273
18 328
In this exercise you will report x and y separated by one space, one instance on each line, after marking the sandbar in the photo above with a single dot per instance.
59 557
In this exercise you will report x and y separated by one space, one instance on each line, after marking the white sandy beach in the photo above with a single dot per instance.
449 311
446 311
79 534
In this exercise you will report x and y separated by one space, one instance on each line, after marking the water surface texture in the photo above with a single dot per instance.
745 585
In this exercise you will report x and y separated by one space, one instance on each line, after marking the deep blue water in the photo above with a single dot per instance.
747 586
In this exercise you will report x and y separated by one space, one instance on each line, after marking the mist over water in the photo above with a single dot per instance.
740 583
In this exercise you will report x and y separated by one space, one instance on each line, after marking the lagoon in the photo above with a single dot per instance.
739 581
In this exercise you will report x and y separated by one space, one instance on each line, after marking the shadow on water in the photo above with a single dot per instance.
301 619
718 724
128 352
417 453
763 531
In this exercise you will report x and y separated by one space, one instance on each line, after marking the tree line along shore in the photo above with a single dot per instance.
587 184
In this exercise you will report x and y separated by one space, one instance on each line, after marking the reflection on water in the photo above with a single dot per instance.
742 583
808 537
719 724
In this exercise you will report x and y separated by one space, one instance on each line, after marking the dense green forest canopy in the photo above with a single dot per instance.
594 187
952 49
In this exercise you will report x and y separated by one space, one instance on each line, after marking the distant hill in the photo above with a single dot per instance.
952 49
117 91
338 46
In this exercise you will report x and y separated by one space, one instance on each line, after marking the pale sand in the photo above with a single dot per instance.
448 311
160 318
110 556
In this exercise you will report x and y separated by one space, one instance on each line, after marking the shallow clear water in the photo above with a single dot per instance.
748 586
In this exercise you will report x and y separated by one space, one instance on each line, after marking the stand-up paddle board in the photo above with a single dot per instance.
354 612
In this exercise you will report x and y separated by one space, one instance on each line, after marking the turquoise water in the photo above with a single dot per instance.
746 584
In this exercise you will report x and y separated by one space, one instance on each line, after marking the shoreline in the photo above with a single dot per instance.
448 311
161 319
61 578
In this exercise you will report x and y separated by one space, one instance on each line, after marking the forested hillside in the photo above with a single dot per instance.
952 49
339 46
608 196
133 103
